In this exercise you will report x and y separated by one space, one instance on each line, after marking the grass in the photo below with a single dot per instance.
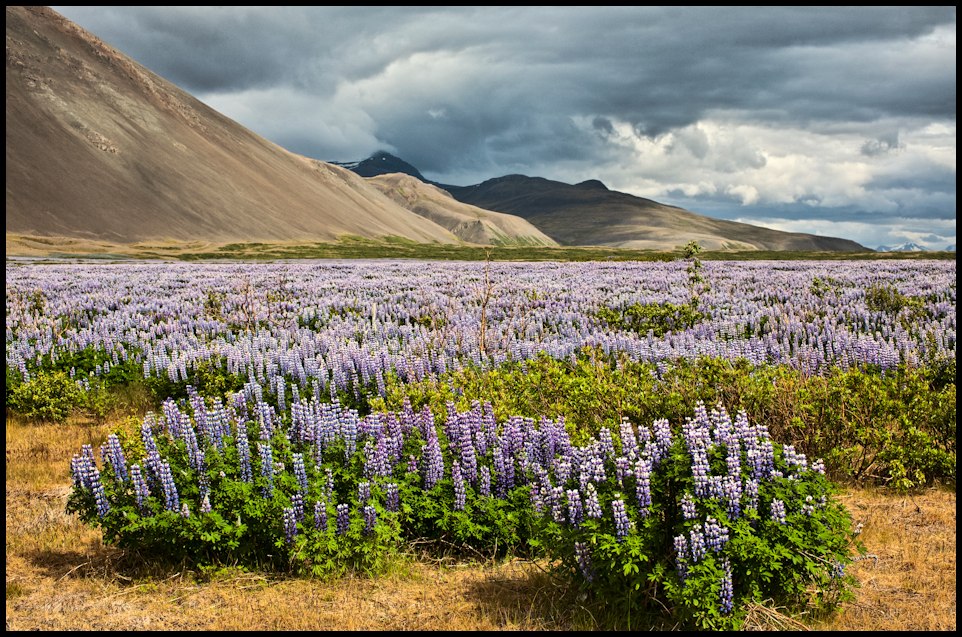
60 576
351 247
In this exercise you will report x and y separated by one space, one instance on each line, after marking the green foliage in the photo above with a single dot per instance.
641 579
886 298
271 518
858 420
46 396
655 318
822 286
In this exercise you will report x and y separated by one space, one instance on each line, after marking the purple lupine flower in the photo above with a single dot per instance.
412 466
93 478
700 469
267 467
726 593
115 455
244 453
607 444
195 455
348 422
794 460
300 472
576 512
716 536
562 467
629 443
819 466
80 468
557 503
766 458
171 498
152 459
320 516
370 518
434 464
688 510
329 482
583 557
643 484
141 492
622 465
459 493
592 506
392 497
809 507
778 511
290 524
343 518
733 458
375 459
662 439
205 503
297 503
681 551
184 510
622 523
363 492
534 494
484 484
503 470
732 492
697 543
464 427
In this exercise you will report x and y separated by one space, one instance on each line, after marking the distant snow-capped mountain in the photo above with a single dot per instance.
905 247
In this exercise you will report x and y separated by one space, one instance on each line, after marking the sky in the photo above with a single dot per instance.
836 121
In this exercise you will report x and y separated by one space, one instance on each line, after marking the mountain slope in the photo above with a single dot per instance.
100 147
468 223
590 214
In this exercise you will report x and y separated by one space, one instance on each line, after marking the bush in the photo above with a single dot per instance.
319 490
701 523
858 419
655 318
48 395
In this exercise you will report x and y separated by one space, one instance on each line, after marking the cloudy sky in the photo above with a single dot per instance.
833 121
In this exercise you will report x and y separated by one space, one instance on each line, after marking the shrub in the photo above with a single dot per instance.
48 395
318 489
691 527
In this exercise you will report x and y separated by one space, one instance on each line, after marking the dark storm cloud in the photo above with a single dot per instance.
658 68
477 92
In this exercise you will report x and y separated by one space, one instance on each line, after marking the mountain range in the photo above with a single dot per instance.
909 246
588 213
101 148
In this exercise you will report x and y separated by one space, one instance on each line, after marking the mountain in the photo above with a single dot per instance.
588 213
381 163
905 247
99 147
468 223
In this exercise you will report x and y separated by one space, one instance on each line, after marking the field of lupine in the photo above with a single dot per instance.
319 417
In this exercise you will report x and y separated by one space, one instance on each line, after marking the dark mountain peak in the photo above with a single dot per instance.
592 184
381 163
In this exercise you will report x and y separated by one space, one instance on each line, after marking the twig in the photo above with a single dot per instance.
72 570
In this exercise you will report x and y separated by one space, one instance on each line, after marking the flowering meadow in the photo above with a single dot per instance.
644 426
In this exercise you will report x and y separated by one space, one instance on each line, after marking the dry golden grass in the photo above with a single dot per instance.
61 577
